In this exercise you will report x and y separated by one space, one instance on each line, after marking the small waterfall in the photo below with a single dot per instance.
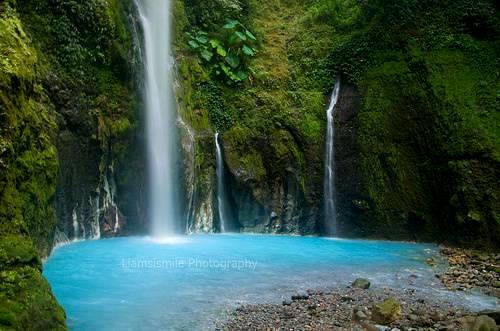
155 17
96 227
76 227
221 189
329 178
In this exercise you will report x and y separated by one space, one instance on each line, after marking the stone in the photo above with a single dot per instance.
361 283
360 316
387 311
466 323
484 323
437 316
287 302
300 296
495 314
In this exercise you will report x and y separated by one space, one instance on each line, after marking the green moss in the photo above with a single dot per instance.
387 311
28 170
426 136
27 302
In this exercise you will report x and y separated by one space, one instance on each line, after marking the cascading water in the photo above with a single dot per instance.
221 191
329 178
155 17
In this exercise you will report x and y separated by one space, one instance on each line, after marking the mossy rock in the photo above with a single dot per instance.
18 251
484 323
387 311
27 303
361 283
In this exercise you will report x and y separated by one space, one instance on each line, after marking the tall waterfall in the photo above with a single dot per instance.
155 17
329 178
221 190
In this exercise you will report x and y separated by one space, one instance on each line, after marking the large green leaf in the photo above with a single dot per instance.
207 55
214 43
193 44
225 68
221 51
201 39
233 60
242 75
250 35
231 24
240 35
248 50
232 39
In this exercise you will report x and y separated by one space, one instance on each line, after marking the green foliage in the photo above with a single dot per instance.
220 117
228 53
209 15
425 181
28 170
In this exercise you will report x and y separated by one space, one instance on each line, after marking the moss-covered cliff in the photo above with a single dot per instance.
426 143
28 172
272 125
70 156
417 139
89 57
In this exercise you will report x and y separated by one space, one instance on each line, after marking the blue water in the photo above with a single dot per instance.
140 284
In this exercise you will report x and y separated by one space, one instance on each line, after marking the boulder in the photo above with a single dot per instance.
495 314
361 283
387 311
300 296
484 323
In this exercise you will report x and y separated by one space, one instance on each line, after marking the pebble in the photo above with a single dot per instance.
328 310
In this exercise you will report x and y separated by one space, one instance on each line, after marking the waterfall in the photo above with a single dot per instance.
329 178
221 189
155 17
76 229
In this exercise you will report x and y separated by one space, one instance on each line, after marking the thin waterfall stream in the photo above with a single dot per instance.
155 18
221 191
329 178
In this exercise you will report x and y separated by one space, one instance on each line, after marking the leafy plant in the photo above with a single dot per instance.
228 54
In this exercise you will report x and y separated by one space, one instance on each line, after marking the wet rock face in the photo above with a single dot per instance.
200 181
351 204
77 182
88 197
268 199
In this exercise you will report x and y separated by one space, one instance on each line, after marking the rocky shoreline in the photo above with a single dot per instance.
358 307
471 270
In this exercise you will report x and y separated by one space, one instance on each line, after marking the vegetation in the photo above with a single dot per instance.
64 70
28 170
427 140
229 56
431 181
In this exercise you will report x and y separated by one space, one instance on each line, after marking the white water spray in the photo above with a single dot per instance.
155 16
329 178
221 190
74 217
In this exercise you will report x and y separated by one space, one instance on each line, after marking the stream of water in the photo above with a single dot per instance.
155 18
221 188
329 177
